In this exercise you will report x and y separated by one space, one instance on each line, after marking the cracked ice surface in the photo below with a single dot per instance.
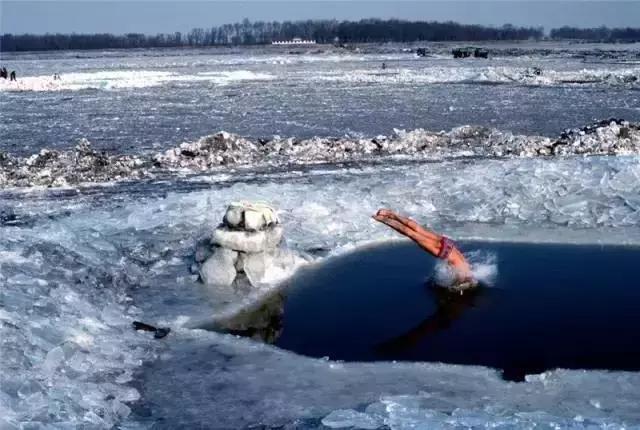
234 383
67 352
76 270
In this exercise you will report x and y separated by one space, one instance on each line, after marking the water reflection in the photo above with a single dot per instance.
450 306
263 320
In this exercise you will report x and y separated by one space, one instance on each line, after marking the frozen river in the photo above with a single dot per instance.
81 261
152 100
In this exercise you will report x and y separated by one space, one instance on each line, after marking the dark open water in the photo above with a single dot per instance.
551 306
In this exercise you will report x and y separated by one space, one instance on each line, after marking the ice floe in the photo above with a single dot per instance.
535 76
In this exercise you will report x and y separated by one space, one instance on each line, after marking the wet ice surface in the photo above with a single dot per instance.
93 261
78 264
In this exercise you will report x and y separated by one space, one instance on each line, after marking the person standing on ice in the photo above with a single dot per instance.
439 246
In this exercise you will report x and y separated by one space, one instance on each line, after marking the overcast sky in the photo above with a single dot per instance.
90 16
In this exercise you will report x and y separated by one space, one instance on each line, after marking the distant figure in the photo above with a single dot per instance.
56 77
3 73
533 71
13 75
384 66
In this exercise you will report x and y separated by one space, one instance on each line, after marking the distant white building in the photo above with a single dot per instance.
294 41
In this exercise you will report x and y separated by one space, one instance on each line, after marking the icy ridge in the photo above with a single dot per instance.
85 165
59 168
108 80
534 76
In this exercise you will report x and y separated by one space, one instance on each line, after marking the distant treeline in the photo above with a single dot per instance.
322 31
603 34
251 33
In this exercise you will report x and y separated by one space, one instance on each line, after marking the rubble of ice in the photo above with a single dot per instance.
488 75
85 266
417 74
84 165
68 355
62 168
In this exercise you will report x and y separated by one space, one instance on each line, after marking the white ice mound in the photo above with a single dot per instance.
246 244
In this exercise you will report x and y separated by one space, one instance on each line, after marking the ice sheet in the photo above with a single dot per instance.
419 72
488 75
82 267
117 80
295 392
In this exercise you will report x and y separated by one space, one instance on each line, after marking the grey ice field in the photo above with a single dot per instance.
83 253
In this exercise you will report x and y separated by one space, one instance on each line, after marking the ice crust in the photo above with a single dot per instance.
116 80
482 73
85 165
629 77
293 392
76 269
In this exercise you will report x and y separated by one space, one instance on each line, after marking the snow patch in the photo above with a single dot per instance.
121 79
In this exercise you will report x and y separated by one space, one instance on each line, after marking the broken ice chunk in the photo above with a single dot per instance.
244 241
253 220
219 269
250 216
255 266
203 250
233 216
53 359
348 418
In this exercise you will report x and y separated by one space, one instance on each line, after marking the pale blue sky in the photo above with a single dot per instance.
90 16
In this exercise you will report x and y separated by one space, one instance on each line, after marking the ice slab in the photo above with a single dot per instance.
284 389
219 268
247 241
251 216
